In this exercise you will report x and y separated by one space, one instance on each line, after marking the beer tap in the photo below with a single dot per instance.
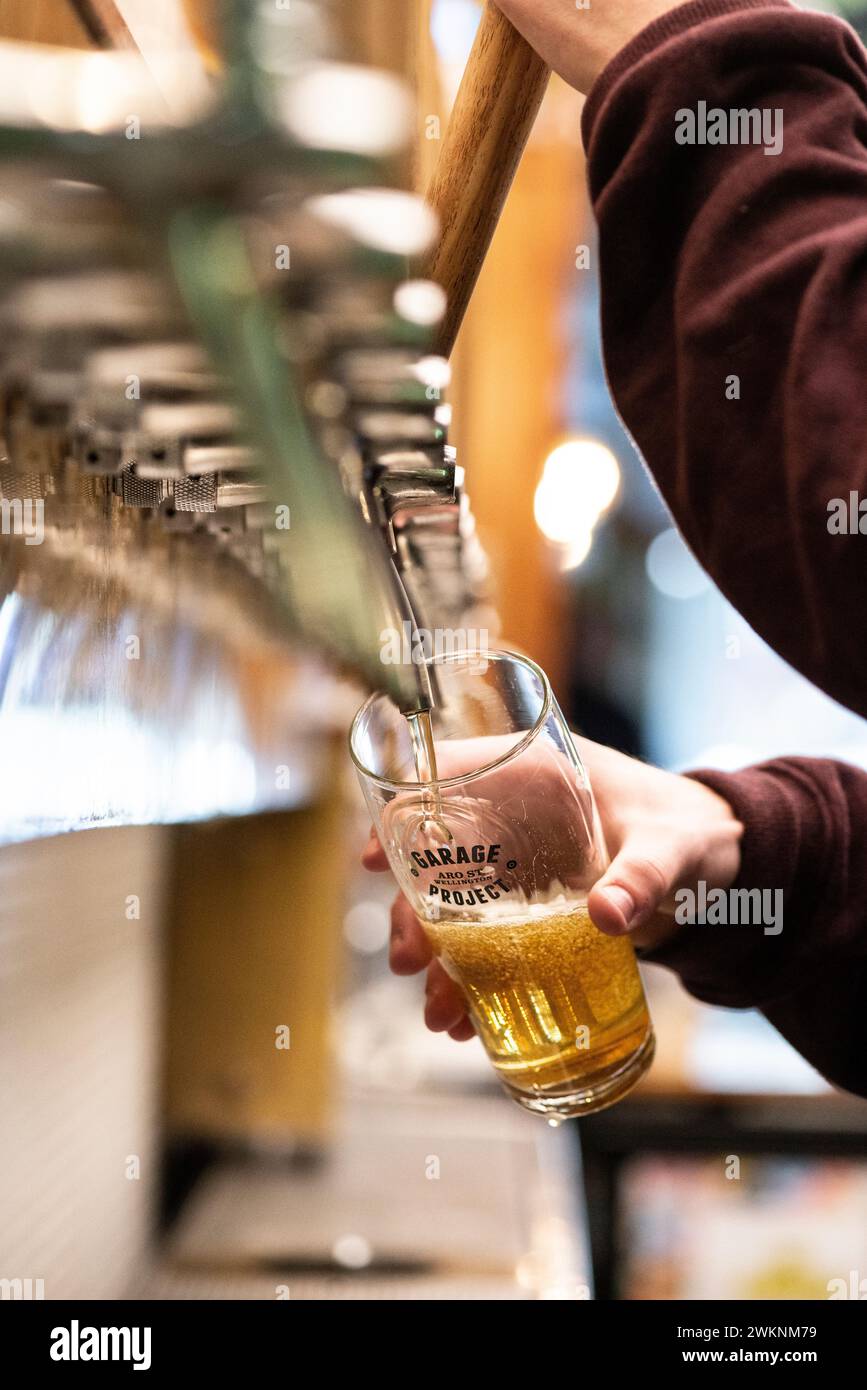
211 349
414 493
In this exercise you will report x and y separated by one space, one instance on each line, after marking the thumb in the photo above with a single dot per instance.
639 879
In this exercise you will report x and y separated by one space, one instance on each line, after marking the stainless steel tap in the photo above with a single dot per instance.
213 382
163 356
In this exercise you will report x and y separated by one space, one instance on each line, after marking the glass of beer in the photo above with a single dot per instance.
486 814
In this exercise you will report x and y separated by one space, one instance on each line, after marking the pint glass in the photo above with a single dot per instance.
492 833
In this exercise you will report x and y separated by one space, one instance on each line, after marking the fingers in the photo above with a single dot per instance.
637 882
373 856
463 1031
409 951
444 1009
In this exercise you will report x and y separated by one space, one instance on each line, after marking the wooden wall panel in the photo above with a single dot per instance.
42 21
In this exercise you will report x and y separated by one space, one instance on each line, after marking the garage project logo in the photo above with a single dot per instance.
463 875
77 1343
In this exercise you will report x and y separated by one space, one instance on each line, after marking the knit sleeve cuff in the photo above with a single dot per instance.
740 967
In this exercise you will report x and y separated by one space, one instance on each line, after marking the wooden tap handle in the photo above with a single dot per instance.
496 105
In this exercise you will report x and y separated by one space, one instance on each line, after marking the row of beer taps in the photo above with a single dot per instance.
210 329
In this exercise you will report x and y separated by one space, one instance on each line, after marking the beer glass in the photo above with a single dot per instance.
488 820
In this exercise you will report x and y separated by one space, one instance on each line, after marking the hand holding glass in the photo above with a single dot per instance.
493 835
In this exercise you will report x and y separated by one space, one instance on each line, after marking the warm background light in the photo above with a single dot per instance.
420 301
579 482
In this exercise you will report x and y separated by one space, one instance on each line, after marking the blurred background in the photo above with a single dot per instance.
211 1085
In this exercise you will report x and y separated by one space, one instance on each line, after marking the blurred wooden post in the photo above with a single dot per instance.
509 366
379 32
509 377
43 21
255 943
494 111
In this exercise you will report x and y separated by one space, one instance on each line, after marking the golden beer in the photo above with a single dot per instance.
485 811
558 1005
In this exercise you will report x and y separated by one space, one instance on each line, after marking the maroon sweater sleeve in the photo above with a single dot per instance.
720 262
805 820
